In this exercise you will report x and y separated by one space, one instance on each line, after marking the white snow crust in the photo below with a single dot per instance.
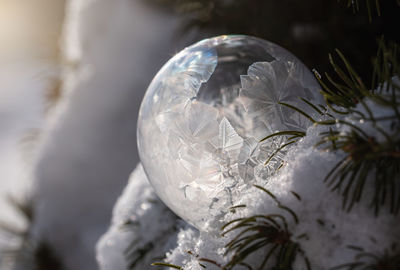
329 229
140 222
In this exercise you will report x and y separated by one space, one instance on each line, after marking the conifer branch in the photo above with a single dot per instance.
367 159
139 249
388 260
267 232
365 155
370 4
32 253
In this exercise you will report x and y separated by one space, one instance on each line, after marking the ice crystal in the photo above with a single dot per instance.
203 116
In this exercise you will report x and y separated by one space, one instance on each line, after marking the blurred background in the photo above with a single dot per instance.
72 76
29 70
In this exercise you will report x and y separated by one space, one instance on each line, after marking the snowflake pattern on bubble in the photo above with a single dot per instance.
204 114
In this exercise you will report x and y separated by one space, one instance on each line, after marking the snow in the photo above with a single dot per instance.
111 50
326 245
28 69
21 115
328 228
139 217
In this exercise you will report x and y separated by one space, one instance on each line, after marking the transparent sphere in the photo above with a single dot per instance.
204 114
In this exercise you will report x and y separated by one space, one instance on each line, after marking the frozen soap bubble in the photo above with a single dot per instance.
204 114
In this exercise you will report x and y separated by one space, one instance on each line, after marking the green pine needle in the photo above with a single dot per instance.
370 4
365 156
266 232
167 265
367 161
388 260
32 253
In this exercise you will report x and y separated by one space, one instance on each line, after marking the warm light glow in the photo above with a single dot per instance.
29 27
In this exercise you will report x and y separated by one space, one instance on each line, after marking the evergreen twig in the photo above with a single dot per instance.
32 253
269 232
365 155
370 4
388 260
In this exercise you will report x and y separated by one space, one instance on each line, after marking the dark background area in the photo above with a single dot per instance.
309 29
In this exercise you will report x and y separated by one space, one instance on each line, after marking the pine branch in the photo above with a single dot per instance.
269 233
53 93
388 260
266 232
36 254
365 155
139 249
167 265
370 4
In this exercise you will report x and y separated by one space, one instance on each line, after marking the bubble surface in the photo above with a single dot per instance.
204 114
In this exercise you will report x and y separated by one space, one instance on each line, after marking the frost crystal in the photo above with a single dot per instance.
203 116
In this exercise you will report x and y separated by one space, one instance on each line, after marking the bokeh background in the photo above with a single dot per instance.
72 76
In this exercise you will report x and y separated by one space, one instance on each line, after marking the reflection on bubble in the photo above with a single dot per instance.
204 114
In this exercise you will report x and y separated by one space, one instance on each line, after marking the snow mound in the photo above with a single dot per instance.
325 232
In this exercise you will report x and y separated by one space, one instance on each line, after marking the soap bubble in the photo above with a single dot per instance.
204 114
